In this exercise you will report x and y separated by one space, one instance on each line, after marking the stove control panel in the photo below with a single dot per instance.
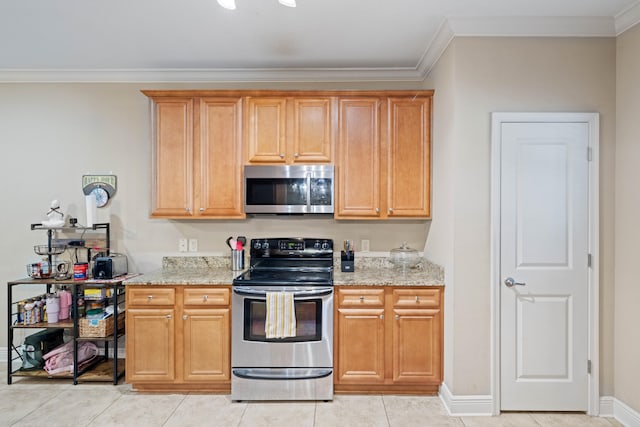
287 247
291 245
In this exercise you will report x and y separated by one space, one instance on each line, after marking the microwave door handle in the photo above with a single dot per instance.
309 175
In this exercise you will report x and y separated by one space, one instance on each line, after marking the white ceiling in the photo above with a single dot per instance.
197 40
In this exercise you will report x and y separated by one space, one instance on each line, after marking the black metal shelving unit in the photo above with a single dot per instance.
102 369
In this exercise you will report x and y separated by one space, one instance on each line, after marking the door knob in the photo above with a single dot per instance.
511 283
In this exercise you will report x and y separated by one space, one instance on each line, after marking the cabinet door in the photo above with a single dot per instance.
173 158
358 158
218 160
150 344
311 137
206 345
266 130
409 175
360 346
416 346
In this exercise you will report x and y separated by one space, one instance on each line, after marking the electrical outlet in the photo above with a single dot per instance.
193 245
182 245
364 245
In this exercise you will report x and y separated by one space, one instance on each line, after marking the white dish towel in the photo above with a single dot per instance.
281 315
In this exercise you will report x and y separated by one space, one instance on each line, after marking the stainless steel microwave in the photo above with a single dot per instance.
288 189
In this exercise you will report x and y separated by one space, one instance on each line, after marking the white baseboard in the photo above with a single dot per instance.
623 413
606 406
465 406
482 405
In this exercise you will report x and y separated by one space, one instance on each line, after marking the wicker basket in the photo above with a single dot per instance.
95 328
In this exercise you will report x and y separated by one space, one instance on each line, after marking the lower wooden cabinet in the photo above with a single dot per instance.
178 338
388 339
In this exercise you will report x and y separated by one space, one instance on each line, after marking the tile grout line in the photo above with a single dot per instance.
36 409
244 411
315 411
95 417
386 414
184 397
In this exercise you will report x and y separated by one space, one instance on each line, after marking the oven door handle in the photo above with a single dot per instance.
281 374
253 292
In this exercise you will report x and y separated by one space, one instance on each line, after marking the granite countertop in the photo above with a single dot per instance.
378 271
189 271
369 271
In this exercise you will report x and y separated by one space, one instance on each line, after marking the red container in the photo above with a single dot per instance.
80 270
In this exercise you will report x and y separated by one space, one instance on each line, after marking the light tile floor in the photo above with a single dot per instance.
59 403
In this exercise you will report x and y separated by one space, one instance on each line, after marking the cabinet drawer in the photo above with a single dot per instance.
416 297
146 297
362 297
206 296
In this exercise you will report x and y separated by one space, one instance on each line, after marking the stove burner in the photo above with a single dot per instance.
287 261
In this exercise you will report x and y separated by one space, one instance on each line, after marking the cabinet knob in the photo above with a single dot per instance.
282 155
377 210
397 317
382 317
295 155
206 297
169 316
187 209
361 299
184 317
390 210
417 298
201 209
149 298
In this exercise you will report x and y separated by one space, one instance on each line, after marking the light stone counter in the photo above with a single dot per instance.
378 271
371 271
189 271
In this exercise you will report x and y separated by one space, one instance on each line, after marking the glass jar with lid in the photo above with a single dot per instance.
404 257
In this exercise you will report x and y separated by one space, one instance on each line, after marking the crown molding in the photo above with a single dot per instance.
228 75
545 26
436 48
627 18
449 28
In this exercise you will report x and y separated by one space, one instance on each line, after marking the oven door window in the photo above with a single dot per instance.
308 321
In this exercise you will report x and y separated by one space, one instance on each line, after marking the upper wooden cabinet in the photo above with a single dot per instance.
173 158
358 176
197 168
289 130
384 167
409 157
380 142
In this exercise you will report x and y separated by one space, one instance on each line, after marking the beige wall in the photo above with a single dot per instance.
52 134
627 208
508 74
439 245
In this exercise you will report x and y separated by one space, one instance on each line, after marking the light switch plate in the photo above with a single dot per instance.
182 245
364 245
193 245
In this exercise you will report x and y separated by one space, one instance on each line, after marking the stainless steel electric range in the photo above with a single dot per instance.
298 366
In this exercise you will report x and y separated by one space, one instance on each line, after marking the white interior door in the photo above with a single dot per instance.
544 248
